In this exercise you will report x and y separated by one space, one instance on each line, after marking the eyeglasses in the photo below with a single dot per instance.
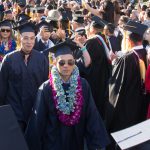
5 30
69 62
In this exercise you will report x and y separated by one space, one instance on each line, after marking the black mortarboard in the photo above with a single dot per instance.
21 4
7 11
98 22
67 47
26 27
22 18
39 9
44 24
64 16
78 17
11 137
6 23
135 27
49 6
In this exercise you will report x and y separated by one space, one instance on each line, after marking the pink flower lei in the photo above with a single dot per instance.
74 117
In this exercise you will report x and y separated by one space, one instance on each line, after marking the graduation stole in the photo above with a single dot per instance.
68 107
142 67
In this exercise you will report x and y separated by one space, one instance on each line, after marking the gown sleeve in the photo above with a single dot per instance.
96 134
37 123
4 72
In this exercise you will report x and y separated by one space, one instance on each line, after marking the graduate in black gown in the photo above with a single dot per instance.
98 72
127 103
21 74
64 112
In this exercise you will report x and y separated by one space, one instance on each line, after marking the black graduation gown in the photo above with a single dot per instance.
114 43
39 45
127 105
97 74
19 82
46 132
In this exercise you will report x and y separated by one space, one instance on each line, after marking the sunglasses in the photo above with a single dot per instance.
5 30
69 62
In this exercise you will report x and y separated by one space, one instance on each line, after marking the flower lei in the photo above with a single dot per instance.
69 111
11 46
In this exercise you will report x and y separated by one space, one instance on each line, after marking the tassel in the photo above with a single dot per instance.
142 69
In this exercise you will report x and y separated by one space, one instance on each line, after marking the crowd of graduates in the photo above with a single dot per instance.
75 70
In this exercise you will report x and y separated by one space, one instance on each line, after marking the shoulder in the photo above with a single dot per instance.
85 84
38 54
45 86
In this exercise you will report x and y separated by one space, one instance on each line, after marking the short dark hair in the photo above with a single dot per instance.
144 7
110 27
148 12
134 37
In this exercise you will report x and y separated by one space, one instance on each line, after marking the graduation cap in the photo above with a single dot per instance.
26 27
7 12
64 16
135 27
98 22
44 24
11 137
78 17
21 4
49 6
22 18
39 9
63 48
6 23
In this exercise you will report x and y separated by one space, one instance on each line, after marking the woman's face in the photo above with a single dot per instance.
5 31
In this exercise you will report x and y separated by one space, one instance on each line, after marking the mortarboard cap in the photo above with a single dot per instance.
26 27
7 11
63 48
21 4
78 17
135 27
98 22
22 18
11 137
44 24
64 16
39 9
6 23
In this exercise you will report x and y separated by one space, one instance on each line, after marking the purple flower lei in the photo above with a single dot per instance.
11 46
74 117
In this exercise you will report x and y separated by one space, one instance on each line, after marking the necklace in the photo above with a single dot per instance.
68 107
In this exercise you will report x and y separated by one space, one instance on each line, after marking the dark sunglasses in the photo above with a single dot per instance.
69 62
5 30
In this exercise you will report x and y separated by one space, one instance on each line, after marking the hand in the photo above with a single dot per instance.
61 34
112 55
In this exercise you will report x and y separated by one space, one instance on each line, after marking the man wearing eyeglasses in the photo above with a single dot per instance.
65 113
21 74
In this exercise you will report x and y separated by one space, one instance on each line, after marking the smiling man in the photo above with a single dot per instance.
21 73
64 112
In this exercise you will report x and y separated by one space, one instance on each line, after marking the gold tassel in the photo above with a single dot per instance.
142 69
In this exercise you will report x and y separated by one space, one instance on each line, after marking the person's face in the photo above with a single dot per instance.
45 34
27 41
147 35
5 31
9 17
106 32
65 65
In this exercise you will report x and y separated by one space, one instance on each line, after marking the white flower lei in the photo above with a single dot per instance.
64 106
